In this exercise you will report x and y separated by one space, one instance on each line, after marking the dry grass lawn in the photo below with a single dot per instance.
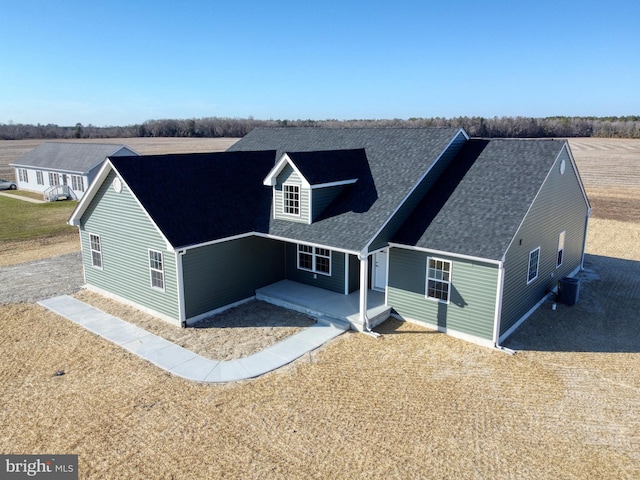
413 404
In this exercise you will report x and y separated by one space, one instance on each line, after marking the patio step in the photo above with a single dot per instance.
334 322
376 317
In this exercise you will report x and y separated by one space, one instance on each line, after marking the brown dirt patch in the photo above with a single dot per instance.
21 251
235 333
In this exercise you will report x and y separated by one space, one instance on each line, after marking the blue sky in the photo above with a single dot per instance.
124 62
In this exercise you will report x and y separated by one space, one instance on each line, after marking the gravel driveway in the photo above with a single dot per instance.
34 281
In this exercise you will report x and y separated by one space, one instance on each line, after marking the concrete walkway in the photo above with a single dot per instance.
20 197
182 362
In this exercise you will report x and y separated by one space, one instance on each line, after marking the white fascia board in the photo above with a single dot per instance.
415 185
186 248
335 184
103 173
444 253
270 179
311 244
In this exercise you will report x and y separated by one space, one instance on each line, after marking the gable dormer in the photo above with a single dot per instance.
305 183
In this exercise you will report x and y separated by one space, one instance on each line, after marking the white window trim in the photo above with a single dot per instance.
314 254
39 177
99 252
77 183
284 199
54 179
152 269
560 252
529 280
448 282
23 175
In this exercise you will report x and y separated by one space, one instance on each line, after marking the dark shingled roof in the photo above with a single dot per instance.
397 158
69 157
479 202
330 166
199 197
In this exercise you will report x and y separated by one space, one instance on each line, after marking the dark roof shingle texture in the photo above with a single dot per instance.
397 158
200 197
479 202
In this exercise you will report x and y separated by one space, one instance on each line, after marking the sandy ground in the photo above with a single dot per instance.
235 333
412 404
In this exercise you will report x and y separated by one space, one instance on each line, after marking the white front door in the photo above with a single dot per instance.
379 281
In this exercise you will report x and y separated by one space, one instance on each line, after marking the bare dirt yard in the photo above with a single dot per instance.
412 404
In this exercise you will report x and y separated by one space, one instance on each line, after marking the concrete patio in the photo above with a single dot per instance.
325 304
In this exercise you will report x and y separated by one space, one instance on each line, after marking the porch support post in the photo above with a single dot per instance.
364 290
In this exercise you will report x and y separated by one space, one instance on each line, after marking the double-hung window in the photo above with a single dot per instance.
438 279
23 175
96 250
560 257
534 262
39 177
156 268
77 183
291 199
314 259
54 179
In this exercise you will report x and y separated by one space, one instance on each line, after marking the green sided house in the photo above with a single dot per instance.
467 236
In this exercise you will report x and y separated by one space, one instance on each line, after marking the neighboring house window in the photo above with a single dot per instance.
314 259
54 179
438 279
560 256
96 250
23 175
77 183
157 269
291 199
534 262
39 177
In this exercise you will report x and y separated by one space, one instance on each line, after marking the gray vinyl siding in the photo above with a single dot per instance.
560 206
126 235
471 309
418 193
289 175
334 282
223 273
322 197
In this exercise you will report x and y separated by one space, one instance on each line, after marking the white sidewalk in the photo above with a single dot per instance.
183 362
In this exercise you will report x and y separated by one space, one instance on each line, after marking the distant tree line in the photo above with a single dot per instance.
509 127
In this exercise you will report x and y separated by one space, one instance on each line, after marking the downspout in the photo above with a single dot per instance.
497 323
364 270
584 241
179 274
364 293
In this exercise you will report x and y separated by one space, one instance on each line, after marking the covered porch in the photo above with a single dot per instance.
325 304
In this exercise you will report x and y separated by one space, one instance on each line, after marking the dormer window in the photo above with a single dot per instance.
291 203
